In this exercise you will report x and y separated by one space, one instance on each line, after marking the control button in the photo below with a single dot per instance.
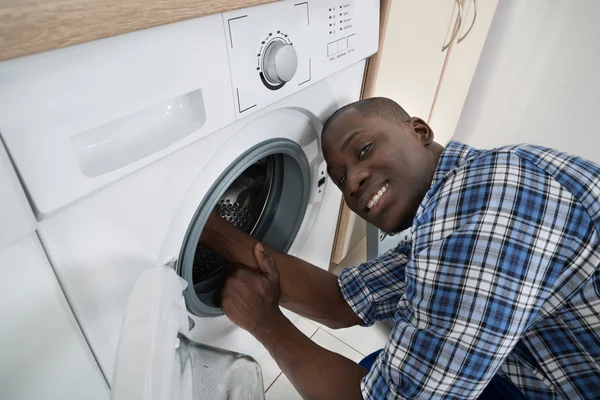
331 48
341 44
280 62
351 40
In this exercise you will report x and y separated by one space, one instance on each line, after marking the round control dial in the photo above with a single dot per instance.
280 62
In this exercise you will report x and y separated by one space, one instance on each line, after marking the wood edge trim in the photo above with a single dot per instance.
341 233
30 27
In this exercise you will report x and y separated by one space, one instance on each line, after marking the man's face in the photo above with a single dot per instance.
384 170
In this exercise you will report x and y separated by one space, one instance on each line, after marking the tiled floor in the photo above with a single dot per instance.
354 343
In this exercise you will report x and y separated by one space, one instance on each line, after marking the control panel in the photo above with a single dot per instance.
341 35
279 48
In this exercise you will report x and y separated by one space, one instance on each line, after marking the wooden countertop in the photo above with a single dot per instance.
33 26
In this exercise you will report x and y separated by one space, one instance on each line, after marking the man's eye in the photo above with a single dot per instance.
342 180
364 151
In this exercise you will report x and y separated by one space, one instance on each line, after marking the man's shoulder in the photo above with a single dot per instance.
535 156
458 157
470 176
463 166
477 181
487 180
533 163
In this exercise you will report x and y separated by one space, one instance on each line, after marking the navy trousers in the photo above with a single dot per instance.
498 388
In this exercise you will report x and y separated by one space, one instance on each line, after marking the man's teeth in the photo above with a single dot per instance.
377 196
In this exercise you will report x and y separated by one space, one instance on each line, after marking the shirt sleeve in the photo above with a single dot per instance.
374 288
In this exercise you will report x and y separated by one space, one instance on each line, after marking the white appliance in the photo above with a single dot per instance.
43 352
126 144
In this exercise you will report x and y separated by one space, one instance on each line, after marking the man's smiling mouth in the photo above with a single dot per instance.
377 196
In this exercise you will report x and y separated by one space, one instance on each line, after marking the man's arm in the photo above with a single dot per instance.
315 372
305 289
250 298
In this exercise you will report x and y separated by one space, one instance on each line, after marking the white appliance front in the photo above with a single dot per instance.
100 244
124 144
43 352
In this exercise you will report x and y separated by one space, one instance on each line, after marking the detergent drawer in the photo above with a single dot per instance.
78 118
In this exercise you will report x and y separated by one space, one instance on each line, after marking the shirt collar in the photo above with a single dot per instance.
454 154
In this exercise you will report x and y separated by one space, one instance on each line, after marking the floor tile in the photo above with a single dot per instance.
304 325
270 369
365 340
282 389
324 339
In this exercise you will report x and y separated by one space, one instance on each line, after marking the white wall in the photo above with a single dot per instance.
538 79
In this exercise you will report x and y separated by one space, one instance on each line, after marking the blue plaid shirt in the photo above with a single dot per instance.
501 277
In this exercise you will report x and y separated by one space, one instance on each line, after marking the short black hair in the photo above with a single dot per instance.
375 106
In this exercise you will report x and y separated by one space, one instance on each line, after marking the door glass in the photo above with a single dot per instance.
210 373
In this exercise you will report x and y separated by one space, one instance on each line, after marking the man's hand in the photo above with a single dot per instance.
250 296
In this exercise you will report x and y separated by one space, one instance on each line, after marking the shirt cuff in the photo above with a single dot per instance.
357 295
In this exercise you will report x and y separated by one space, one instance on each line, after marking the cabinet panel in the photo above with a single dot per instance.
411 57
43 353
460 69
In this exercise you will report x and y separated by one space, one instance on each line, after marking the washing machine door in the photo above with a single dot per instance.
155 316
157 361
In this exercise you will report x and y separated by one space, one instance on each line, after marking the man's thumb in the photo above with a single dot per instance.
265 261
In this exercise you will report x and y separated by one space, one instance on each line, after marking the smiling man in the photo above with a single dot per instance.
401 167
496 295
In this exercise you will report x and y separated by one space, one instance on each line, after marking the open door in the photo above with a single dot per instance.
157 361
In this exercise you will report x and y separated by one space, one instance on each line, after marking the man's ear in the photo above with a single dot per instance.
422 130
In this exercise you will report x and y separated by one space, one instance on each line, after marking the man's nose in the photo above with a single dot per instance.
356 180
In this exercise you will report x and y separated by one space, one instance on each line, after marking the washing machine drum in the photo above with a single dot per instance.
244 205
264 193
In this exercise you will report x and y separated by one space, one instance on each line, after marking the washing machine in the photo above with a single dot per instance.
125 145
43 352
